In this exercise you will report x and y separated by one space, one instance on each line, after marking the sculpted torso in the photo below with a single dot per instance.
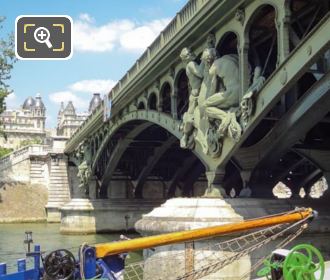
226 68
195 74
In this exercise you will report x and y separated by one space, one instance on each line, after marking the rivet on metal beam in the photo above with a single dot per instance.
284 76
309 50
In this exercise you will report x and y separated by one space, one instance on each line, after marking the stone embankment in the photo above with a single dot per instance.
22 203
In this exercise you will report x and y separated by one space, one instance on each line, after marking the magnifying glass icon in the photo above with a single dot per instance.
41 35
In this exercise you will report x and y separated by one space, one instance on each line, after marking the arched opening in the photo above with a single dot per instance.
165 94
232 179
228 44
182 92
152 101
282 191
318 188
141 105
263 40
262 53
292 169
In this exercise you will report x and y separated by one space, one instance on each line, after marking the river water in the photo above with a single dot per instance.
48 237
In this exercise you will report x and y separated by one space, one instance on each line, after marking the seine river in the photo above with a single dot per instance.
49 238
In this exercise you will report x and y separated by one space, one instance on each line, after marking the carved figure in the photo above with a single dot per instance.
215 111
221 108
227 69
240 15
247 103
84 168
210 41
84 173
195 74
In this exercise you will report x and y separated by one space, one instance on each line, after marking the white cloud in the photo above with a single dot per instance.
76 92
86 17
92 86
122 34
11 101
66 96
141 37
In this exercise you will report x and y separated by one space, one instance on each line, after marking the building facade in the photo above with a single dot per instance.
26 124
68 120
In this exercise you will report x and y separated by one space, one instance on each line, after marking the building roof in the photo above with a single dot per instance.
39 103
29 103
95 102
61 108
69 109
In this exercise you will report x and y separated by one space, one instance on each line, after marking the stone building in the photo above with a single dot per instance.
68 120
24 124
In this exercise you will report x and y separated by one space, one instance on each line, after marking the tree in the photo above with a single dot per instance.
7 59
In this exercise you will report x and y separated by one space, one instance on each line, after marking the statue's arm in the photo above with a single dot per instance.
215 99
196 69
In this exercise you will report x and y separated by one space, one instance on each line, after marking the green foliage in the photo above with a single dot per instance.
4 151
24 143
7 59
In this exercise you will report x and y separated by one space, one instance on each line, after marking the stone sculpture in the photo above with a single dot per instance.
215 111
84 168
194 73
248 102
84 173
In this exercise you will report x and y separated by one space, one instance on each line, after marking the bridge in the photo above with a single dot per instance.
284 126
230 99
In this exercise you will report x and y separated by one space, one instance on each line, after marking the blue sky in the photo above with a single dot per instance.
109 36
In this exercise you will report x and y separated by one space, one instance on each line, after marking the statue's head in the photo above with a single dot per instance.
209 55
210 40
187 55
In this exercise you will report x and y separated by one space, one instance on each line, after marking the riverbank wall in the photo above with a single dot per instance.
22 203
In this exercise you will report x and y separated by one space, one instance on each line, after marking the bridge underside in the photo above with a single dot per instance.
150 161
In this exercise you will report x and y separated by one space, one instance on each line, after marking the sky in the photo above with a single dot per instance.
108 37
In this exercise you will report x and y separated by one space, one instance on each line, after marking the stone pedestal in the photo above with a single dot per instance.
183 214
84 216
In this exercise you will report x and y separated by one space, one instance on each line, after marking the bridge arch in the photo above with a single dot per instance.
130 130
